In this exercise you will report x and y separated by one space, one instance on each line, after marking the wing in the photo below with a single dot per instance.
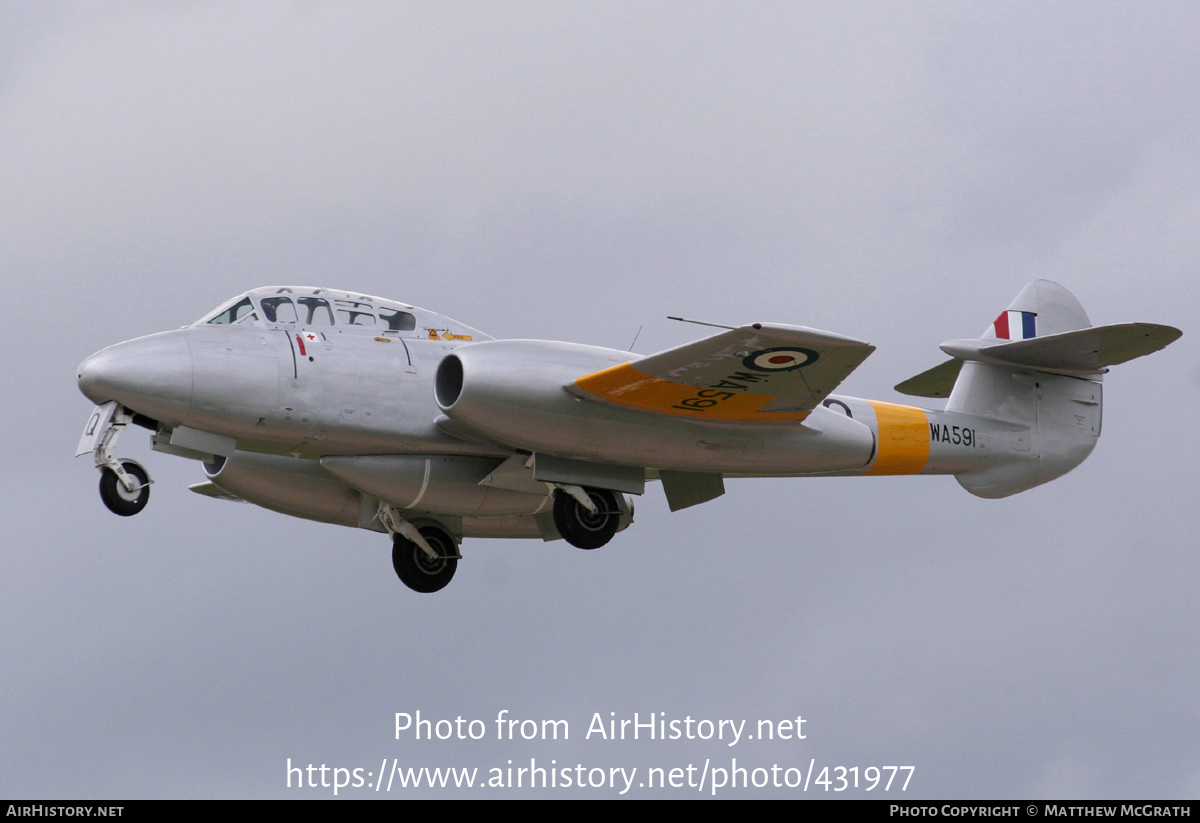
762 373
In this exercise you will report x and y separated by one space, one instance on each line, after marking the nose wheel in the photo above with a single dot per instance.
124 484
119 498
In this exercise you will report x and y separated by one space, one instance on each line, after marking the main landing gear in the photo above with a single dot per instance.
424 558
587 518
416 569
124 484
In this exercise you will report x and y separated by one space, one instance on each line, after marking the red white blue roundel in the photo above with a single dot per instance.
784 358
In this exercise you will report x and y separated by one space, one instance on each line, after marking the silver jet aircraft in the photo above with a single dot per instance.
349 409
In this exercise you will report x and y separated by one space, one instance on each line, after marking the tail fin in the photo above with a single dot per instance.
1038 368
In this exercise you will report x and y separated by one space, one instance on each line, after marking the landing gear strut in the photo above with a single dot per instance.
587 518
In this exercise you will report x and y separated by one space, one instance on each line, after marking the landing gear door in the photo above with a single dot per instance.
96 426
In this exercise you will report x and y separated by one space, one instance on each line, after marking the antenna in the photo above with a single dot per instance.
635 337
701 323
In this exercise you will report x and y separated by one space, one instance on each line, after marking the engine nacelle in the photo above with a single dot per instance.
515 392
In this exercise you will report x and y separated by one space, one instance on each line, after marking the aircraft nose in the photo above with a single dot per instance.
151 375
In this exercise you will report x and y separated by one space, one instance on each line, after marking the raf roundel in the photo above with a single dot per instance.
780 359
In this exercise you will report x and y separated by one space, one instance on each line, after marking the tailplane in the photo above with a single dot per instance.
1038 368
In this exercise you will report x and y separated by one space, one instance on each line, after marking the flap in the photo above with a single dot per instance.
684 489
213 490
762 373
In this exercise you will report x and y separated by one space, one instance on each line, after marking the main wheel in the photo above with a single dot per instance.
419 571
118 498
584 529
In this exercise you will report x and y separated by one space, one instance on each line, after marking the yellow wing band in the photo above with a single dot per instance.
626 386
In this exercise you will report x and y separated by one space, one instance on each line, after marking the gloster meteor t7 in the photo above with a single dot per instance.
365 412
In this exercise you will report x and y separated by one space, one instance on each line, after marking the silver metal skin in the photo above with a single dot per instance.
366 412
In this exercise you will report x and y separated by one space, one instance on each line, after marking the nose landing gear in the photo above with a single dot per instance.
124 484
121 498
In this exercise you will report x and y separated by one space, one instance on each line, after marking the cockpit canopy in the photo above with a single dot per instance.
309 307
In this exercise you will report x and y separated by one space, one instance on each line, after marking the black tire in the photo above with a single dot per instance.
580 527
415 568
119 499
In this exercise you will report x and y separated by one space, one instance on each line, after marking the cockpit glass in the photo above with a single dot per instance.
398 320
243 310
352 313
278 309
276 306
315 311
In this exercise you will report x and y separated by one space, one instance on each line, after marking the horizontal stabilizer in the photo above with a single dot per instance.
761 372
1083 351
935 382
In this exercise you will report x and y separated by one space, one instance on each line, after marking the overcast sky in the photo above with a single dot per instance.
894 172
